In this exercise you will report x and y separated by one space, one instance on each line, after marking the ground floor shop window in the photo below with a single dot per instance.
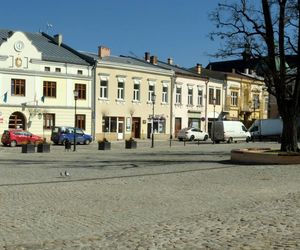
159 126
49 121
194 122
109 124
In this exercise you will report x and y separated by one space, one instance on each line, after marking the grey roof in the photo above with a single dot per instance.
126 60
49 48
179 70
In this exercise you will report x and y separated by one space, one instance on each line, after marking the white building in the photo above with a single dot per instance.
38 74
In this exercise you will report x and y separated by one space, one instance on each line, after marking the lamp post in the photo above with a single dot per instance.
75 92
153 96
214 103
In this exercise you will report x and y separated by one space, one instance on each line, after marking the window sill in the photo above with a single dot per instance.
120 101
136 101
103 100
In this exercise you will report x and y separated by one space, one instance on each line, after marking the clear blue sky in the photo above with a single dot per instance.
165 28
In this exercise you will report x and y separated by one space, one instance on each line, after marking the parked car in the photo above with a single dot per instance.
192 134
63 135
14 137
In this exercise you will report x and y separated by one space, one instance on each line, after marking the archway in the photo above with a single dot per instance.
17 120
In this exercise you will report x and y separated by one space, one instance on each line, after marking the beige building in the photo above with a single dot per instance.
124 98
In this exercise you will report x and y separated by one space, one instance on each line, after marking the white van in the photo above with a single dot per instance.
229 131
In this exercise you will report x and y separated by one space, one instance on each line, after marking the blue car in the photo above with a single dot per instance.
63 135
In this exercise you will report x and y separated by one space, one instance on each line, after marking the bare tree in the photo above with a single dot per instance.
267 30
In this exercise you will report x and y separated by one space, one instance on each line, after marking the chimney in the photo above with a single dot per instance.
170 61
153 60
246 71
58 39
147 56
103 51
233 70
198 68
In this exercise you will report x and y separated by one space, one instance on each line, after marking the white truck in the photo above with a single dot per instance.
229 131
266 129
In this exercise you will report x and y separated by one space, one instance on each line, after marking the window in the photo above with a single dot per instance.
47 69
120 90
81 88
109 125
49 121
218 96
178 95
79 72
165 94
200 97
211 96
18 87
159 126
49 89
57 70
136 92
80 121
190 96
194 123
150 93
103 89
234 98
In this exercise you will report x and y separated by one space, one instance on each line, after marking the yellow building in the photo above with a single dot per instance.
132 98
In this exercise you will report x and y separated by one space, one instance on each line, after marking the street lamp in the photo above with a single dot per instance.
75 92
153 96
214 103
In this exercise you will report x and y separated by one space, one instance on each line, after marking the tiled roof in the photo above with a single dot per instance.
50 49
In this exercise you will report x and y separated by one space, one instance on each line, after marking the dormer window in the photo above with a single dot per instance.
47 69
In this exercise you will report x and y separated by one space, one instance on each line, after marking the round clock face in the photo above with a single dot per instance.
19 45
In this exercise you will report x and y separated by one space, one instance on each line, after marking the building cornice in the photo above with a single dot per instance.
134 68
45 74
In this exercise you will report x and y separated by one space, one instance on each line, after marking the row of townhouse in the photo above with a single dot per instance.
118 96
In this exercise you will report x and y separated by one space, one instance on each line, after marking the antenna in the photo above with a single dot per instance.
133 54
48 26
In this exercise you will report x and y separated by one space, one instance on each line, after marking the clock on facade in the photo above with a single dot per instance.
19 46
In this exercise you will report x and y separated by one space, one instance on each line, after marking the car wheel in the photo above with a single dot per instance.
180 139
87 142
248 139
205 138
13 143
192 138
230 140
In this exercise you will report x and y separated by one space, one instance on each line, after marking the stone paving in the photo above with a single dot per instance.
179 197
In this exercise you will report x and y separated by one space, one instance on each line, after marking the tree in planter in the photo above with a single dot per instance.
267 31
104 144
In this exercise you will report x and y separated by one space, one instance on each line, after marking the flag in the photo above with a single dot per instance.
5 97
43 98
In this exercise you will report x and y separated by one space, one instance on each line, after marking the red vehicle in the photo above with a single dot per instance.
16 137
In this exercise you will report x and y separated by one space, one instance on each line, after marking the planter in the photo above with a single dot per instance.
104 145
28 148
130 144
43 148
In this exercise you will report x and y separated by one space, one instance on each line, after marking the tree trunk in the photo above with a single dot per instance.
289 142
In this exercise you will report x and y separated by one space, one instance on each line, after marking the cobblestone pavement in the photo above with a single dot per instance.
179 197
